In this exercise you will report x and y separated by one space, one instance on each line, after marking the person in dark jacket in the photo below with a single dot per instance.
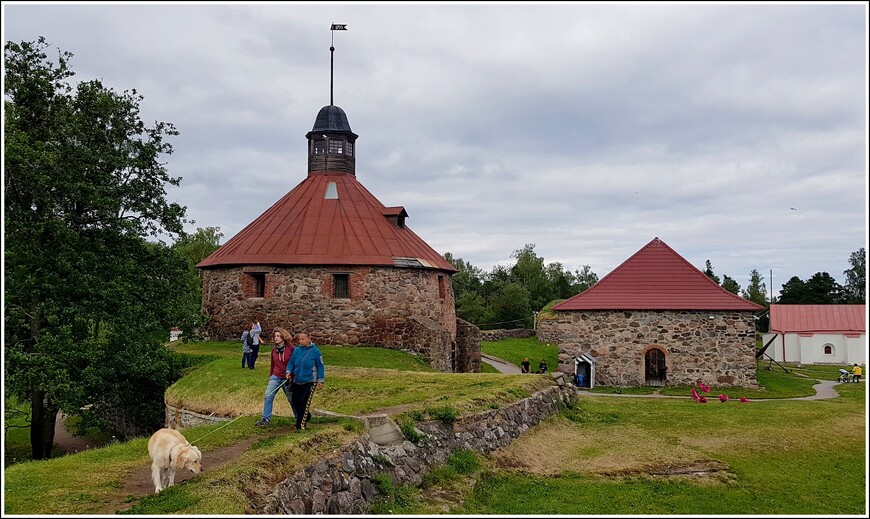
247 341
304 370
542 367
281 353
525 366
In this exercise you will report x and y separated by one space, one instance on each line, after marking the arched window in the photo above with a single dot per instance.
829 349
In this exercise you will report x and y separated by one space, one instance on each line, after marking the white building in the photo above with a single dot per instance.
817 334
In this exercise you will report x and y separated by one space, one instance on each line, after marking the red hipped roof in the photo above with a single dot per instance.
656 278
315 224
808 319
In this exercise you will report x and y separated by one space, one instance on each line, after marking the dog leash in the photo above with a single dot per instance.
234 419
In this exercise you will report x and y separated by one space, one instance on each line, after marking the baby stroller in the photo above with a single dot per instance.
845 376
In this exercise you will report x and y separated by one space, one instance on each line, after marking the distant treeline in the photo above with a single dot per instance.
510 296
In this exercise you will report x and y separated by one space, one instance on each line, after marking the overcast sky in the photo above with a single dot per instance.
735 133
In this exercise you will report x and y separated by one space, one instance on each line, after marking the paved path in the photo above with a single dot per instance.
824 389
499 364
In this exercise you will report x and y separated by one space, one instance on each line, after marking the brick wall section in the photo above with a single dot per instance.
720 351
341 483
397 308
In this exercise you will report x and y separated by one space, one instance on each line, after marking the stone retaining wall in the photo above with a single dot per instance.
497 335
180 418
341 483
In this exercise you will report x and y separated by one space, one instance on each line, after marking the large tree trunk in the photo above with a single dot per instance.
43 419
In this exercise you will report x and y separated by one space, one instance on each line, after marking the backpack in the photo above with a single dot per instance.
247 341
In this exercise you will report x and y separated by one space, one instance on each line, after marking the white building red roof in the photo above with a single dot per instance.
833 319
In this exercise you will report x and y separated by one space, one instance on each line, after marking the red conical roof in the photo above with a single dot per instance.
328 219
656 278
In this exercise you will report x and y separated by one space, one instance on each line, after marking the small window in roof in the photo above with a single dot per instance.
331 191
406 262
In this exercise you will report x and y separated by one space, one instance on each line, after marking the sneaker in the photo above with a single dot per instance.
262 423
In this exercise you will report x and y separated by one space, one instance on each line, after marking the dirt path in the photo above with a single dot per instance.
139 483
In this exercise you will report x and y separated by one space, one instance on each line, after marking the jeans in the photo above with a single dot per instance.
271 389
255 350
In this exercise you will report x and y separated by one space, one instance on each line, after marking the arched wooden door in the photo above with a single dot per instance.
656 370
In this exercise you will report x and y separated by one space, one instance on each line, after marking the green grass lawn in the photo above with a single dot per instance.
773 457
358 380
90 482
514 350
597 458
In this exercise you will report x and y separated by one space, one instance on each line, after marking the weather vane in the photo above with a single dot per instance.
334 27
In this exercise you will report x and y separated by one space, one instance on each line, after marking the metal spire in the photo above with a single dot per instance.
334 27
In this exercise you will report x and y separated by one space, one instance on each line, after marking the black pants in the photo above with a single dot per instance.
300 402
252 359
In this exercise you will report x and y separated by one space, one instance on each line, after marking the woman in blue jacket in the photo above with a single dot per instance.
304 369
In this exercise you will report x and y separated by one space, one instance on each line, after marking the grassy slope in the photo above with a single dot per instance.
781 457
80 483
358 381
514 350
778 457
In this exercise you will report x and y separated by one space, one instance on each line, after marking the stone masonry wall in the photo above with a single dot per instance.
383 303
341 483
180 418
467 347
720 351
497 335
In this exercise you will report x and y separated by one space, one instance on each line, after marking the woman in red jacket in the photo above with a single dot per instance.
277 367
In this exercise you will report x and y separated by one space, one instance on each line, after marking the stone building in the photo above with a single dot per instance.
656 320
330 259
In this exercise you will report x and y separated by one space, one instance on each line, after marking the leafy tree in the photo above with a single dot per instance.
199 245
820 289
88 300
561 281
730 284
510 306
855 289
584 279
529 272
472 307
793 292
709 272
469 279
195 248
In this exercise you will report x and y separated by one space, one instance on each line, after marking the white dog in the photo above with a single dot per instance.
169 450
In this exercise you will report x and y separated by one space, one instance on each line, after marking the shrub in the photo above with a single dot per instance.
463 461
409 429
446 414
383 483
